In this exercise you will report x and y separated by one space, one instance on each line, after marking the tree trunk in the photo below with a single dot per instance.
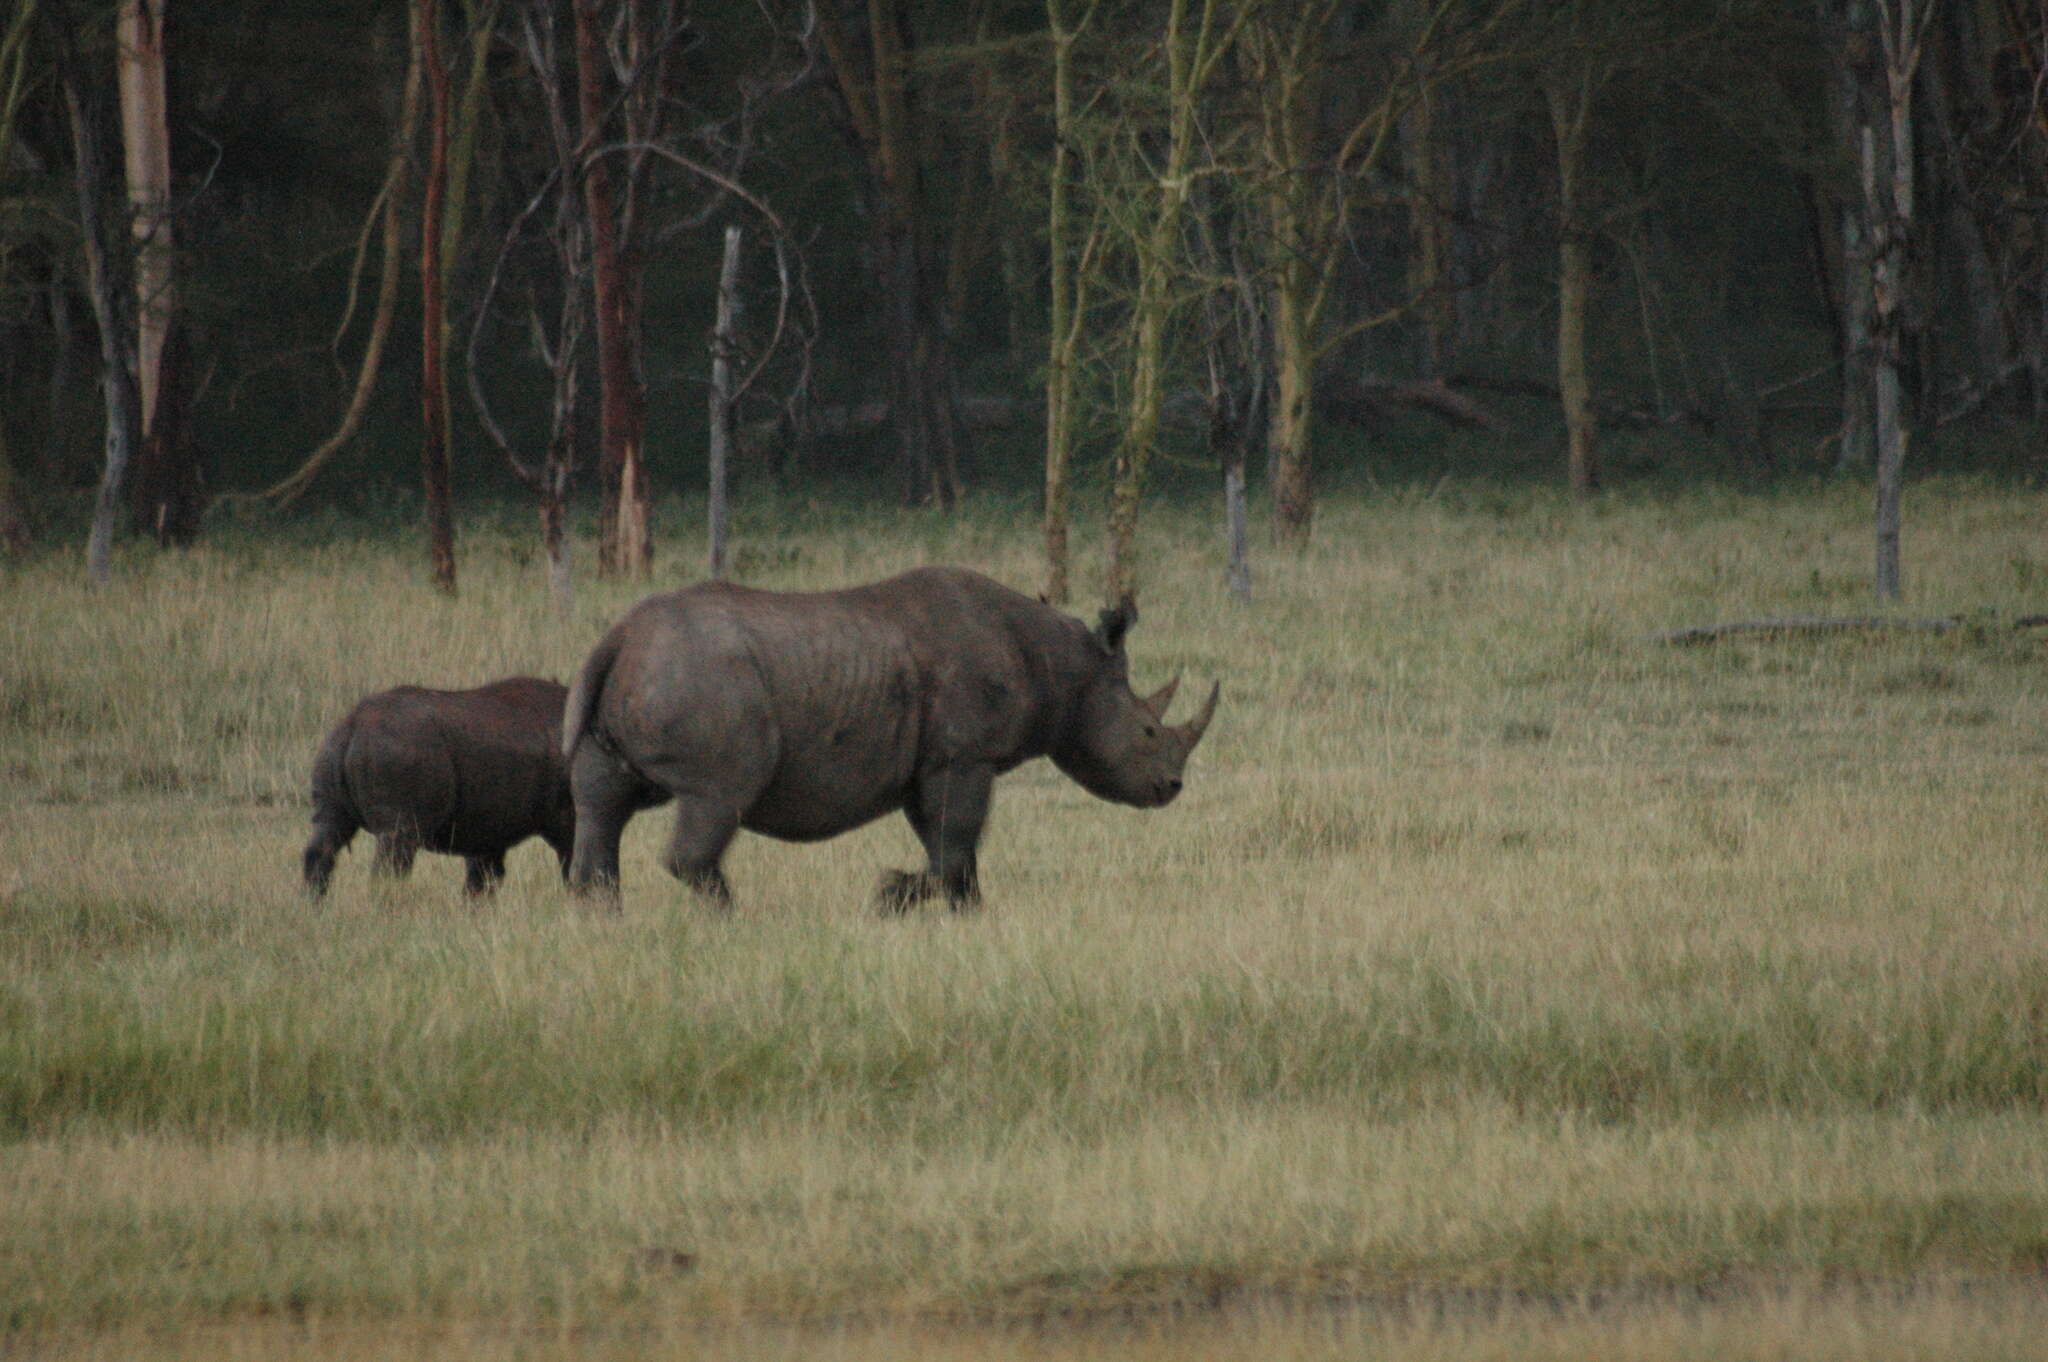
1190 60
554 540
433 313
165 492
1064 307
16 528
623 543
1141 417
881 116
1891 201
927 427
1014 246
1236 384
387 204
58 460
1422 142
1289 425
1570 112
104 280
1237 571
1300 278
724 344
1853 41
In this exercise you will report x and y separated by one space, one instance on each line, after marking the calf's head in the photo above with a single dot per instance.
1118 745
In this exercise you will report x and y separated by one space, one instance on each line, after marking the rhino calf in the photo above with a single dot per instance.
804 714
468 773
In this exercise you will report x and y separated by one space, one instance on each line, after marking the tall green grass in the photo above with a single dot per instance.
1490 946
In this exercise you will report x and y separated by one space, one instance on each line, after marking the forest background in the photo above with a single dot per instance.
1000 248
1498 957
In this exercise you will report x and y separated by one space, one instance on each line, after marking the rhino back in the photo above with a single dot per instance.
813 712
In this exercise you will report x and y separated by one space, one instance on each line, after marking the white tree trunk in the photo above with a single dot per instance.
1236 529
722 347
146 143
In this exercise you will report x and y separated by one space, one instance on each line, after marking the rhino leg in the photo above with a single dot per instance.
563 849
395 852
330 835
947 810
704 828
485 874
606 795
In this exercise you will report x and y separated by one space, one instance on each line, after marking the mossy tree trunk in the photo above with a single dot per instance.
1194 52
1067 286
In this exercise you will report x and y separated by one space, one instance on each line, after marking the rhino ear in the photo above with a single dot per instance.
1115 622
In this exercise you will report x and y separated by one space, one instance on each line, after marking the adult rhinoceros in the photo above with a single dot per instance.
804 714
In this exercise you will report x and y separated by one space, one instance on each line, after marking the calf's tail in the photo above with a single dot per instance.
583 696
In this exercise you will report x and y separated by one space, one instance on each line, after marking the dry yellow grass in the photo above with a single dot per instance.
1490 949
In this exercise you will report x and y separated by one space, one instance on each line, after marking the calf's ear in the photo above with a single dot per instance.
1115 622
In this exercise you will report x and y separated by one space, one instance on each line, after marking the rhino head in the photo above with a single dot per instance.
1118 745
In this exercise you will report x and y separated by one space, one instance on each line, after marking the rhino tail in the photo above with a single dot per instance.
582 701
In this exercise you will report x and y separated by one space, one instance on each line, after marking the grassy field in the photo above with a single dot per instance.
1504 984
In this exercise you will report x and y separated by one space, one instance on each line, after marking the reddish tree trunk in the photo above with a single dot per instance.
623 545
165 496
433 383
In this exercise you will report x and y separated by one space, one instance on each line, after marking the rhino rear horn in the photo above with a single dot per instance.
1194 728
1159 699
1112 624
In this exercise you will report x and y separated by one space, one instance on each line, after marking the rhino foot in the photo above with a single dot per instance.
902 890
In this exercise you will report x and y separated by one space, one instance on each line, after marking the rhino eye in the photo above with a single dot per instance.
1151 730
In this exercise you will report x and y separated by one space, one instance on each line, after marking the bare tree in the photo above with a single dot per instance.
433 308
724 345
1309 168
565 278
387 215
1902 26
106 269
15 528
1569 92
871 83
166 497
623 544
555 294
1070 270
1193 48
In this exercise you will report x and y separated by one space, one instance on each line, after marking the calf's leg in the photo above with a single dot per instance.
330 835
485 874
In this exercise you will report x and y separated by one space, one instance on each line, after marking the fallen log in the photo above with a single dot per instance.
1808 625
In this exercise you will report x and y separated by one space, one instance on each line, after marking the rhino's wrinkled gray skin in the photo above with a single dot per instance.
804 714
470 773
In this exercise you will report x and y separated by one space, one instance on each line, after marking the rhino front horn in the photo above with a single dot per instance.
1197 726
